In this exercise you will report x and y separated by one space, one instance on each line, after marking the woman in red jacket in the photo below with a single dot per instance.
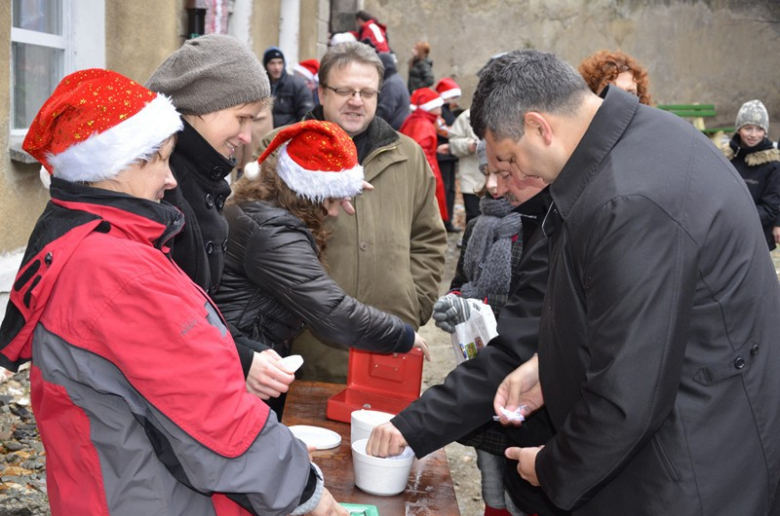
421 127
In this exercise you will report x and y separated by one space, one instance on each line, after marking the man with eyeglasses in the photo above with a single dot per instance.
390 254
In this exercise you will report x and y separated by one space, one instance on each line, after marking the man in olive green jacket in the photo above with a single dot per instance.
390 254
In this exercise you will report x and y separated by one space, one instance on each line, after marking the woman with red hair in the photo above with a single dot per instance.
617 68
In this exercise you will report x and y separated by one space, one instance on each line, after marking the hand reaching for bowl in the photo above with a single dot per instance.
385 441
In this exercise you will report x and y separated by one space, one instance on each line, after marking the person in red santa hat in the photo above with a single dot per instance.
274 284
136 384
421 127
307 70
450 93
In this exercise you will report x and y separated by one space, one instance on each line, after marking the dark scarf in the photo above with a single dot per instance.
488 258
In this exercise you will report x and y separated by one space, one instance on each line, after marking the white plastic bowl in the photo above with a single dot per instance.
378 476
363 421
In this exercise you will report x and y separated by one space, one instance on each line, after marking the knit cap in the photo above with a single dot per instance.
752 112
211 73
272 53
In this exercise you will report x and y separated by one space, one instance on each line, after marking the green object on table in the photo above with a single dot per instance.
356 509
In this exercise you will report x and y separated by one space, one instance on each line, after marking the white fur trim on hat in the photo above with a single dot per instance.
318 185
449 94
303 71
104 155
432 104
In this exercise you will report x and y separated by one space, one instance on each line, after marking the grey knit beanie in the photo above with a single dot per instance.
752 112
211 73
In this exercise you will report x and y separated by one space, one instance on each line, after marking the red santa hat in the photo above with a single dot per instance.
426 99
97 123
448 89
317 160
308 69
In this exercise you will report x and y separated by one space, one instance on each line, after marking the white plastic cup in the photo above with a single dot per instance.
363 421
378 476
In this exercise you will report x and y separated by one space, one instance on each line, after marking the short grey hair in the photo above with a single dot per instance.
351 52
522 81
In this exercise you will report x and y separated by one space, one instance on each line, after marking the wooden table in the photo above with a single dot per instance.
428 492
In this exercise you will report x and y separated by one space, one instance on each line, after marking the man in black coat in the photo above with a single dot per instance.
658 359
462 406
393 103
292 98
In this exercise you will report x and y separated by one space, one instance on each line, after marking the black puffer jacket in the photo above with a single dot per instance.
420 74
274 284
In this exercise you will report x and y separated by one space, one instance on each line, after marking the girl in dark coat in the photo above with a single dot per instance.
274 284
758 162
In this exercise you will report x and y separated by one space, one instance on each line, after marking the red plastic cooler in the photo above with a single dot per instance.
380 382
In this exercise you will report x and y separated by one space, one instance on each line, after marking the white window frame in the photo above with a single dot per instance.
83 40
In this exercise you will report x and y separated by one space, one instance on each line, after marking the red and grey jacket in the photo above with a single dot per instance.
136 384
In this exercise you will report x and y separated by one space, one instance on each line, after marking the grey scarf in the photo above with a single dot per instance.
488 259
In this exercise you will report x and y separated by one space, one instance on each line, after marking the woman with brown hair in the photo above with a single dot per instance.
617 68
274 283
420 67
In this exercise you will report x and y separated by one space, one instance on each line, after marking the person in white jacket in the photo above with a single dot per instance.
463 144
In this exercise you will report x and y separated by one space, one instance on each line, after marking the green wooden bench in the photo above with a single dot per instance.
697 113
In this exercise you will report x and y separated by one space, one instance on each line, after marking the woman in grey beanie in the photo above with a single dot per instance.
219 87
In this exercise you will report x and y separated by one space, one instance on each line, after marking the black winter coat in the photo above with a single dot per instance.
274 285
199 249
759 166
393 103
292 99
658 352
420 74
461 408
201 192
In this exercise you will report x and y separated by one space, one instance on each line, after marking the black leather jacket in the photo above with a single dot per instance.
274 285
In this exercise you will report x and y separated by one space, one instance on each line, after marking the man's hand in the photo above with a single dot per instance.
520 387
451 310
328 506
385 441
526 462
420 343
266 378
776 234
346 202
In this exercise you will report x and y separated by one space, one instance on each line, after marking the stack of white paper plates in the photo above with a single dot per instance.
320 438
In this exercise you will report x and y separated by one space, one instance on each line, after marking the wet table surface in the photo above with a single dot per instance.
429 490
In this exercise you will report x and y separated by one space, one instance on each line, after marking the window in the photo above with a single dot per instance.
38 46
50 39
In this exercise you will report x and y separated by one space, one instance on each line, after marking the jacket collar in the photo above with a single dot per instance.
139 219
606 128
212 166
378 134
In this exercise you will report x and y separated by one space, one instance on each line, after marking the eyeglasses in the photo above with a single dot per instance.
349 92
